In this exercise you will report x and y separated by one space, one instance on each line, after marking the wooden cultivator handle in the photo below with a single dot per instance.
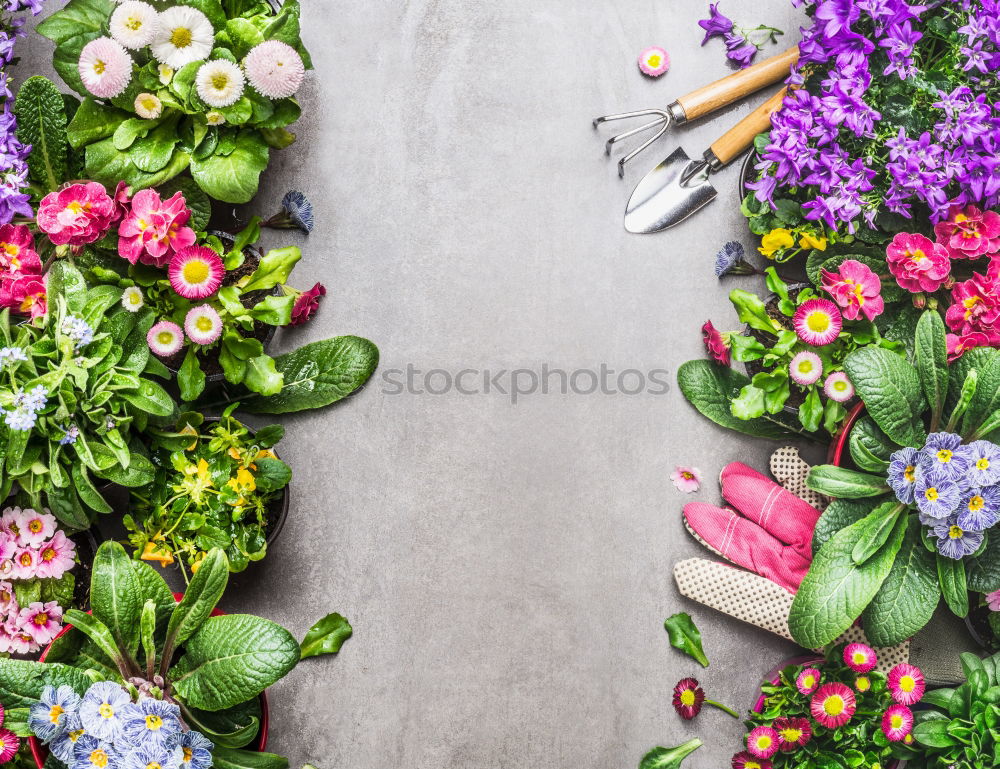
732 144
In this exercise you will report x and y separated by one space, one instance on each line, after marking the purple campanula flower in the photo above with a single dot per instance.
716 24
739 49
836 16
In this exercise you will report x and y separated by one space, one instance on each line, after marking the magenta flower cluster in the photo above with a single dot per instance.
829 141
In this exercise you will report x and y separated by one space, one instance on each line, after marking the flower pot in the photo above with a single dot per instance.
746 174
753 367
40 753
977 623
839 454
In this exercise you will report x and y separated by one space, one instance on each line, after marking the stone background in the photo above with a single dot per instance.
506 567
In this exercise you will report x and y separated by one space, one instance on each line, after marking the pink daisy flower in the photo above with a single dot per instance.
855 288
832 705
744 760
817 322
763 742
686 479
41 621
917 263
274 69
165 338
715 343
897 723
805 368
807 681
105 68
25 562
34 528
993 600
860 658
688 698
654 61
906 683
9 744
793 733
196 272
202 324
838 387
56 557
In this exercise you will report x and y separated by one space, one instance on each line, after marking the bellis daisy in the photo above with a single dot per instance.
184 35
9 743
897 722
744 760
132 299
906 684
817 322
195 272
274 69
219 83
832 705
202 324
793 733
165 338
214 117
688 698
763 742
860 658
807 681
806 368
863 684
686 479
148 106
838 387
133 24
105 68
654 61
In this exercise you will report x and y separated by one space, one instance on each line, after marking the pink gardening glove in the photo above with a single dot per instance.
769 530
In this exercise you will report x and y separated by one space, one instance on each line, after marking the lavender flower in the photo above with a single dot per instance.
78 330
71 433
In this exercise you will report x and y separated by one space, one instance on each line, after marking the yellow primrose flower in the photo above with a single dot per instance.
152 552
235 453
809 240
242 484
776 240
188 430
196 564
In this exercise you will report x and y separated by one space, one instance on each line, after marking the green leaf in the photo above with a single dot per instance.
71 28
669 758
318 374
262 376
877 527
197 201
811 411
684 635
153 586
89 494
108 165
870 447
273 310
151 398
101 635
845 484
41 122
752 311
151 153
231 758
326 636
140 470
749 404
934 734
93 122
274 268
233 178
930 356
115 596
983 570
836 590
908 597
22 682
840 514
951 574
65 505
190 377
232 728
986 401
67 281
890 388
202 594
231 659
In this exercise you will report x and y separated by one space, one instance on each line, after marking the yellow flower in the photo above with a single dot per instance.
188 430
197 479
242 484
196 564
812 241
152 552
776 240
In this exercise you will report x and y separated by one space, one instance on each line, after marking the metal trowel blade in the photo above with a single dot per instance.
669 194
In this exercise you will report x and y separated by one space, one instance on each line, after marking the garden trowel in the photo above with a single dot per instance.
680 186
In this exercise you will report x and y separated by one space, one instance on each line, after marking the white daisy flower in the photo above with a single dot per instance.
148 106
132 299
166 74
133 24
184 35
215 118
219 83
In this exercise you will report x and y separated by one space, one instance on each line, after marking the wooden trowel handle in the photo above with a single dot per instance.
732 144
738 85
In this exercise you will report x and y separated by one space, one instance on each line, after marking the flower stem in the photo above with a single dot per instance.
723 708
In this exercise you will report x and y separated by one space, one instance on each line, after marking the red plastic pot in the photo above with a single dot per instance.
838 448
39 752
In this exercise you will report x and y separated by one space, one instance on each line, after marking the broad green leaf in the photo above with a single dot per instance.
890 388
836 590
67 281
190 377
842 483
153 586
22 682
71 28
840 514
140 470
749 404
274 268
231 728
811 411
233 178
65 505
129 130
202 594
934 734
89 494
93 122
262 376
985 402
669 758
151 153
752 311
930 356
151 398
684 635
100 635
41 123
954 587
115 596
108 165
908 597
231 659
983 570
877 527
326 636
273 310
231 758
318 374
977 359
870 447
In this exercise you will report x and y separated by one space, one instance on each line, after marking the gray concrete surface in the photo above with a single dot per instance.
507 568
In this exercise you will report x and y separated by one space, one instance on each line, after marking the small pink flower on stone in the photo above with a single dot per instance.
686 479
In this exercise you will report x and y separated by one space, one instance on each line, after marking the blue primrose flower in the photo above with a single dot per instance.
62 746
984 463
196 750
47 717
902 474
936 497
980 509
92 753
150 721
944 457
954 541
103 708
151 755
